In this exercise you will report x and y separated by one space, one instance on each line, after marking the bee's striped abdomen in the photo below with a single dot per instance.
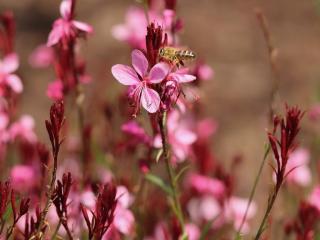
185 55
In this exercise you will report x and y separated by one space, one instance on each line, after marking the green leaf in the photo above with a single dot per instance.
159 182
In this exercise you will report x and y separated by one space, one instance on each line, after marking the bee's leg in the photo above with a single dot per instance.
181 63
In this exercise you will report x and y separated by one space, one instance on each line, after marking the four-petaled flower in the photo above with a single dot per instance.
8 65
140 79
65 28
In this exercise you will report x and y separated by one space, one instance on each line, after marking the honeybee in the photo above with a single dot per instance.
176 55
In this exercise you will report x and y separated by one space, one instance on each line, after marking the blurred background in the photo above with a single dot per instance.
227 36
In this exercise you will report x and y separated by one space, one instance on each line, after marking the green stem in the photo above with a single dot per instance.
266 215
253 190
54 235
176 203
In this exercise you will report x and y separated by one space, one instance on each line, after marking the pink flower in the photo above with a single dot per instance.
140 80
206 128
55 90
65 28
297 168
234 210
181 137
133 129
204 208
24 128
123 217
23 178
298 160
193 231
8 65
207 185
314 112
134 30
314 198
41 57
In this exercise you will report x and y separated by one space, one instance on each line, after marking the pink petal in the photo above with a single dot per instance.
120 32
42 56
301 176
183 78
15 83
185 136
55 90
65 8
10 63
139 62
54 36
205 72
158 72
150 100
125 74
83 26
123 220
193 231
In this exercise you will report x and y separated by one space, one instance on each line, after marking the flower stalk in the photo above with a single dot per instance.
166 155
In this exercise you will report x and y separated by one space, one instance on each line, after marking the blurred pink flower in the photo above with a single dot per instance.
314 112
8 65
41 57
133 129
206 128
24 129
123 217
134 30
297 168
204 208
181 137
140 79
314 198
203 71
207 185
65 28
55 90
234 211
23 178
193 231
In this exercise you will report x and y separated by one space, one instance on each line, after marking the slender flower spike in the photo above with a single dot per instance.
285 144
140 79
65 28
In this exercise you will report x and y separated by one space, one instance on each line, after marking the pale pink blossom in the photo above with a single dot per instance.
43 56
193 231
24 129
314 112
314 198
204 208
206 128
139 78
207 185
65 28
8 65
123 217
297 169
55 90
180 135
204 72
234 211
134 30
23 178
133 129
